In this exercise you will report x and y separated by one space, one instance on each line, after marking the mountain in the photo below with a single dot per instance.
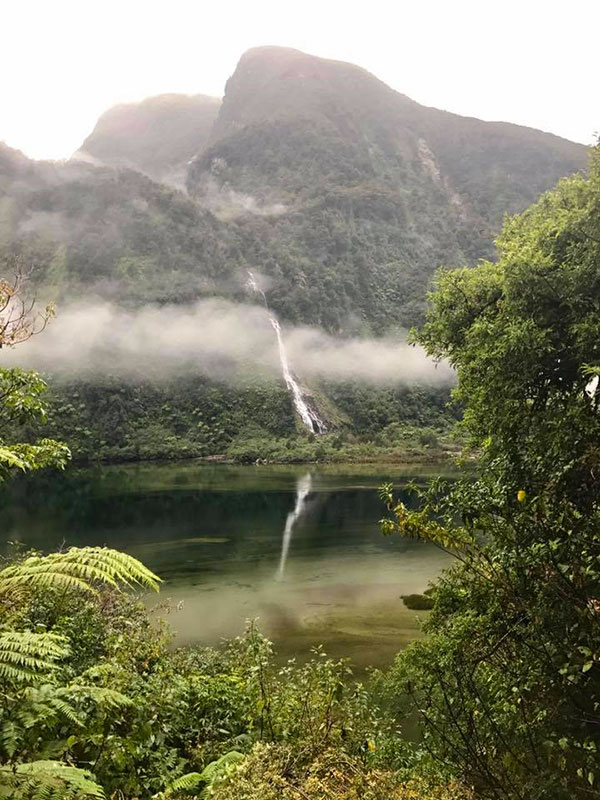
157 136
319 115
350 194
344 195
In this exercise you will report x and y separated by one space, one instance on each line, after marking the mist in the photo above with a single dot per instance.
213 337
227 203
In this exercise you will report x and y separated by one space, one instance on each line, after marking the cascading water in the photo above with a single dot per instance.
308 416
303 487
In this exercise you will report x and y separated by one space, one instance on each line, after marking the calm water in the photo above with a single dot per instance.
297 547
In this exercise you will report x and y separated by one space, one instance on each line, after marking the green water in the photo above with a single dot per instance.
215 534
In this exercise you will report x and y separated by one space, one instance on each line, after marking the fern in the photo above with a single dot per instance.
43 707
217 769
9 737
195 782
105 699
79 568
190 782
30 657
48 780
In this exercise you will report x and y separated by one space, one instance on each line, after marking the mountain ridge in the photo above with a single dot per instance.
157 136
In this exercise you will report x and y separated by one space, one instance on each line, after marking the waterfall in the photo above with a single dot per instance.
309 417
303 486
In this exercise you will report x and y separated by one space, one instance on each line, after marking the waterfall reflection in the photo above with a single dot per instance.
303 486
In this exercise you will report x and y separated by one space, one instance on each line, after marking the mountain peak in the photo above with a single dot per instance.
157 136
282 83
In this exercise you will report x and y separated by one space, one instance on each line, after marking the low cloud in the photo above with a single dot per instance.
228 203
213 337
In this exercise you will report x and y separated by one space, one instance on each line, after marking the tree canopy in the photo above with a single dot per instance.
507 683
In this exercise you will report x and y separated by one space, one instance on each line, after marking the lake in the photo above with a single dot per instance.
297 547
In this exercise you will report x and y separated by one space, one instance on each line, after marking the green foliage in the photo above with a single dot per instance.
79 568
21 404
39 699
126 421
247 421
507 680
26 656
522 334
203 783
48 780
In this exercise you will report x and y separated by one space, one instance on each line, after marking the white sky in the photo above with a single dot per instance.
63 62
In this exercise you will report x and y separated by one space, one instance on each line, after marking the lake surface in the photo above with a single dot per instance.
298 547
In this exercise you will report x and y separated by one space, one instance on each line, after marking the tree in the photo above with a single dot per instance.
507 683
18 322
21 392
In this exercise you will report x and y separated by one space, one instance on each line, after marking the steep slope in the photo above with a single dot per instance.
350 194
157 136
116 233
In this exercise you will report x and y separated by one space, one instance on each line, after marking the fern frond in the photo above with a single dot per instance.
200 782
217 769
27 656
190 782
80 568
9 737
49 780
102 697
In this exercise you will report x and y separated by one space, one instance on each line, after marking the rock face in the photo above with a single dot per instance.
157 136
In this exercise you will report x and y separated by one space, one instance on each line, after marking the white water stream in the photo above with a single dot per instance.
309 417
303 487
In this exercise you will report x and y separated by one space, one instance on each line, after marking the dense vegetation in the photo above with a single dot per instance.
95 698
506 682
247 421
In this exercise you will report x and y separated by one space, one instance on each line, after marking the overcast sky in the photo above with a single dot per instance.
63 62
